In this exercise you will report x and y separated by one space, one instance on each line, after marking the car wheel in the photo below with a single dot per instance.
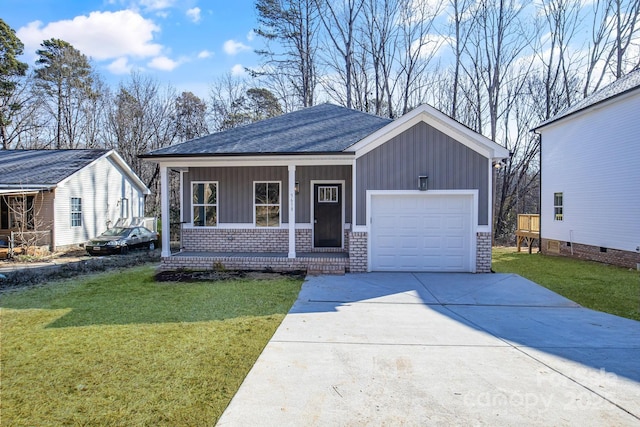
124 250
152 246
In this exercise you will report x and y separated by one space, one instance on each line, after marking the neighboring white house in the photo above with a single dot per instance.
590 169
72 194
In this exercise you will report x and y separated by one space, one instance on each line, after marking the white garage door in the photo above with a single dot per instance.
421 232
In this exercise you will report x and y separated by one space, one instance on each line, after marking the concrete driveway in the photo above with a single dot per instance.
402 349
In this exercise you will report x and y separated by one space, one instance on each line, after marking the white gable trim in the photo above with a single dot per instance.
128 171
605 103
445 124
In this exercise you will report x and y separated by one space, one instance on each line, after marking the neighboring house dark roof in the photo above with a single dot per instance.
621 86
323 128
42 167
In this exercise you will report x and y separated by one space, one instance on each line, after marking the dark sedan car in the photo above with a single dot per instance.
121 239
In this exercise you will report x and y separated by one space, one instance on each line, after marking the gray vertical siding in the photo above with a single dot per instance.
422 150
235 189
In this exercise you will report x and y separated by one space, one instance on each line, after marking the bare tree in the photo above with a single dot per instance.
418 48
141 119
554 89
615 27
26 122
461 21
294 25
380 43
224 93
339 20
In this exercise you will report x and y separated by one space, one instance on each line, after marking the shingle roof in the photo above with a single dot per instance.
322 128
624 84
43 167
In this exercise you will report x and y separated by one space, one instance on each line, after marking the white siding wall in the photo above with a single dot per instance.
101 186
594 160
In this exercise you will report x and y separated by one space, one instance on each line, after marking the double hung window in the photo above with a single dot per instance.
267 204
204 203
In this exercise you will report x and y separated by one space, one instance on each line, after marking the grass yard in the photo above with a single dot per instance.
120 349
594 285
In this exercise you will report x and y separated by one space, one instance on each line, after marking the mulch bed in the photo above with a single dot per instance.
214 275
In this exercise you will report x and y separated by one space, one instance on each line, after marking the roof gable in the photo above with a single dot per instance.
50 168
323 128
43 167
438 120
623 85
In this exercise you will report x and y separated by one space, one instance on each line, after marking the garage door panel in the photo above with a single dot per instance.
418 233
455 222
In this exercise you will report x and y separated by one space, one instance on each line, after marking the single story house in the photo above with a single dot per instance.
328 188
69 196
590 176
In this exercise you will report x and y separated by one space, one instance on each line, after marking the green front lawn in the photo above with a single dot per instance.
120 349
594 285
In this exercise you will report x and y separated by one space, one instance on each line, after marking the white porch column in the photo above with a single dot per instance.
292 211
164 210
181 198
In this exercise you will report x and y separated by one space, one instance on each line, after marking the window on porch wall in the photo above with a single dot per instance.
267 204
204 203
17 211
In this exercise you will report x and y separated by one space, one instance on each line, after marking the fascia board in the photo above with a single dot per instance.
231 161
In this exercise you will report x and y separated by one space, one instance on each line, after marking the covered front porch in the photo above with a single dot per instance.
226 223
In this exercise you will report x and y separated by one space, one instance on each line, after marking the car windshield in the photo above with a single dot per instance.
117 231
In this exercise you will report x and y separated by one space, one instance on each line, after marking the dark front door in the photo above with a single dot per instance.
327 209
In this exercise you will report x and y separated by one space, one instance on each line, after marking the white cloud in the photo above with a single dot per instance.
120 66
238 70
232 47
101 35
432 45
194 14
205 54
156 4
163 63
251 35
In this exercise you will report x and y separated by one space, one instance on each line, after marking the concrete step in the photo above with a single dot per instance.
315 270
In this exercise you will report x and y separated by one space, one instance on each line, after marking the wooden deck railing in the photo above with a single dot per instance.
529 222
528 230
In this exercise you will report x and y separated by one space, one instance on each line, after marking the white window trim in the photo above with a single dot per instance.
217 204
71 211
124 207
280 225
561 206
325 188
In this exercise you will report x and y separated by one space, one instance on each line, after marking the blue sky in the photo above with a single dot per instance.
185 43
